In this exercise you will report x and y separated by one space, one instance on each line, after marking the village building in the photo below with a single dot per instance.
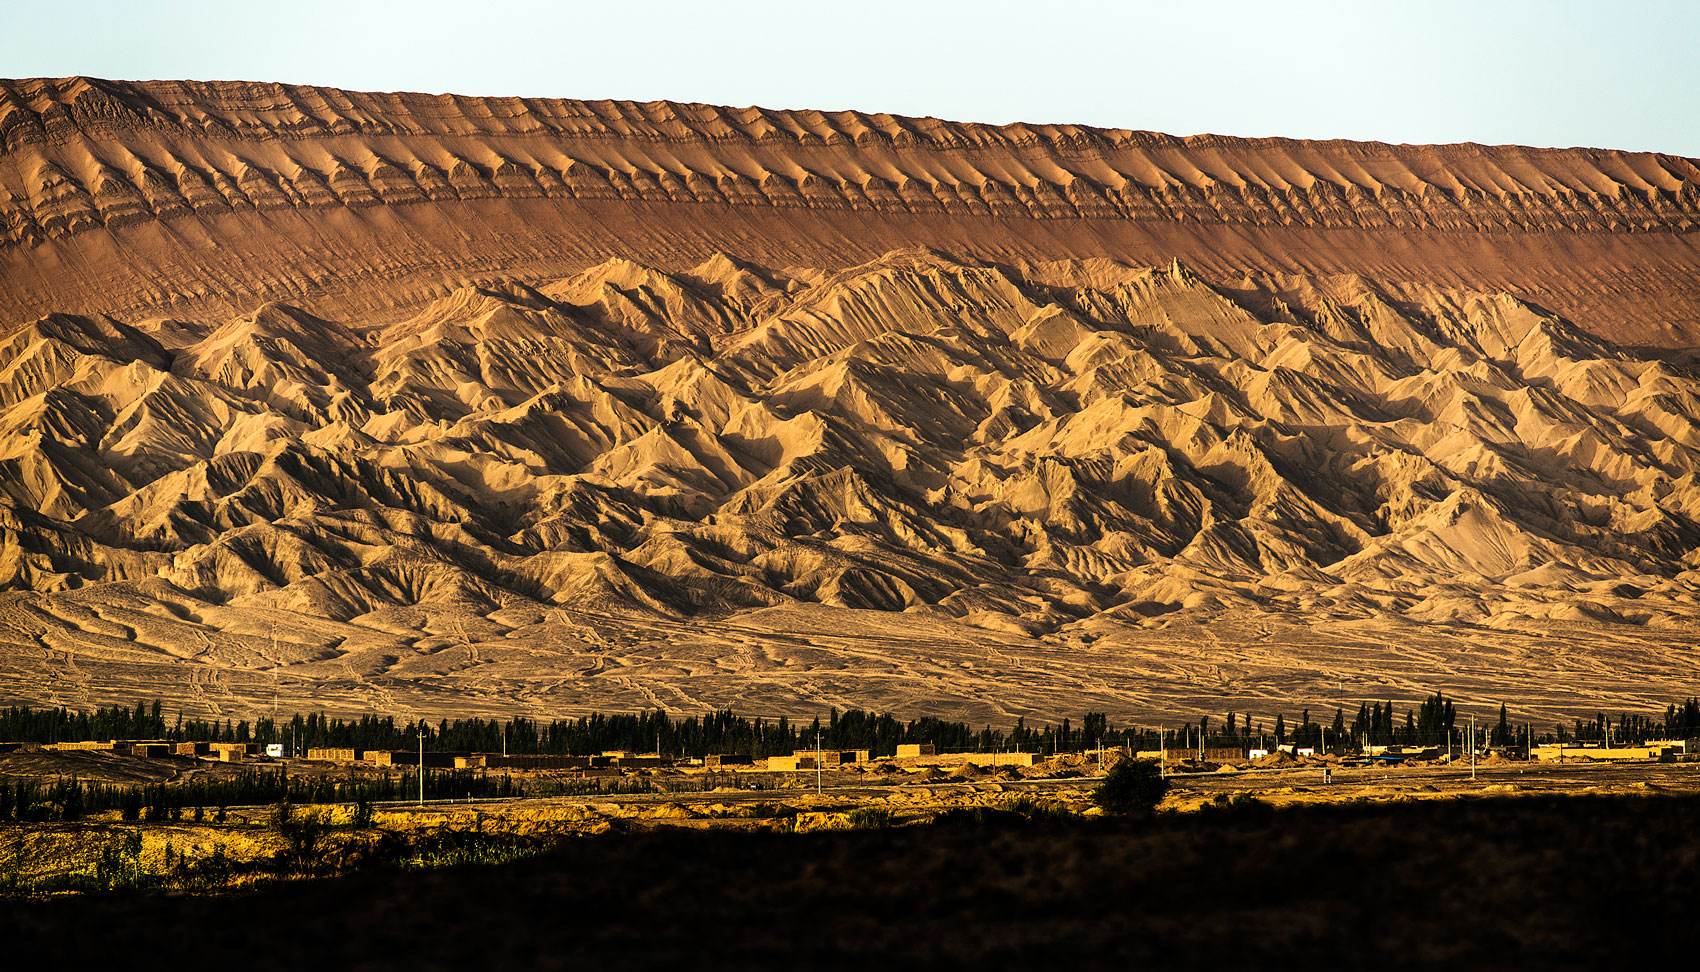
335 754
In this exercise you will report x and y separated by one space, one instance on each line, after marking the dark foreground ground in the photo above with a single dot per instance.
1534 883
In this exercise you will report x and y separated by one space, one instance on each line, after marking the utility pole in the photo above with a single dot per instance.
422 764
1472 749
1327 770
275 664
817 762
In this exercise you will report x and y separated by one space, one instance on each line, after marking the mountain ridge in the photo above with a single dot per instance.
124 185
120 91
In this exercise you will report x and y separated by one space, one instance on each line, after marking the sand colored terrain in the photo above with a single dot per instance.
919 481
1310 454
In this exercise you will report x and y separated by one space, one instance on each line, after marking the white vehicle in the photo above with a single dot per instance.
274 750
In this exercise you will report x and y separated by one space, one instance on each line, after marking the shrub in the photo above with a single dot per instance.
1036 808
1239 807
870 818
1131 787
981 816
461 848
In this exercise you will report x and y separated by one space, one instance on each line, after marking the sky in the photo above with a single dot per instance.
1619 74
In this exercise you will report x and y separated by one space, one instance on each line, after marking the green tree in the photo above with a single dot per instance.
1132 786
1435 718
301 834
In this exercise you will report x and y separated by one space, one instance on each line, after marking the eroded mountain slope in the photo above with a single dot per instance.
925 480
204 199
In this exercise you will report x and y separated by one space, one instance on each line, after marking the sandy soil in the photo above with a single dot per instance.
868 659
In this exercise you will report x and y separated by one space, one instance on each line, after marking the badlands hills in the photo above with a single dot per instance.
443 405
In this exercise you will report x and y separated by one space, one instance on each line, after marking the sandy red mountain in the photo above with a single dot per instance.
451 404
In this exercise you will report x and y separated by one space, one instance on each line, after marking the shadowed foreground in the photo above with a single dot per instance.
1550 883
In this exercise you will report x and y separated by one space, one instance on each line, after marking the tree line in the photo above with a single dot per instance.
722 733
1432 722
69 798
725 733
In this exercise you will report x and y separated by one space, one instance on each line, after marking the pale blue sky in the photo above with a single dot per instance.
1620 74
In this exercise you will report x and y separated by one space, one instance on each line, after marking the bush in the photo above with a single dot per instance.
1037 808
1131 787
982 817
1240 807
870 818
461 848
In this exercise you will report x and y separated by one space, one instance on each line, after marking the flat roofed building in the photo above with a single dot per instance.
975 759
335 754
1556 751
